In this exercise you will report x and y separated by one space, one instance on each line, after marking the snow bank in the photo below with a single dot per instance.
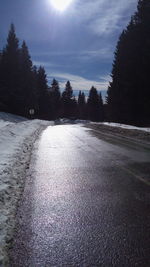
140 136
17 136
82 121
7 118
71 121
124 126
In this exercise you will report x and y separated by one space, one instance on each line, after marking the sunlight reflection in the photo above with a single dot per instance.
60 5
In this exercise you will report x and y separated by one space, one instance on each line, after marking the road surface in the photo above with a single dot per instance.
86 203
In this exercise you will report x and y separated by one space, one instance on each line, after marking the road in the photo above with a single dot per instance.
85 203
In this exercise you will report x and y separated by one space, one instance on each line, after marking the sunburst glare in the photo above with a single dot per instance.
60 5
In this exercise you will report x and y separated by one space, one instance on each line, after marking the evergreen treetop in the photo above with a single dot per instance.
68 92
130 72
12 40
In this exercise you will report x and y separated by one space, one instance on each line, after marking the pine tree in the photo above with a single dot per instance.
94 105
9 82
55 99
3 101
142 20
81 105
22 86
130 71
2 90
74 109
68 93
67 102
35 105
27 95
42 91
101 108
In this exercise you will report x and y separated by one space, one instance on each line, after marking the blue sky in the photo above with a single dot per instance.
77 44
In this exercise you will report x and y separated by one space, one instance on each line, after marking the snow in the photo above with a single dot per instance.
124 126
7 119
17 136
71 121
82 121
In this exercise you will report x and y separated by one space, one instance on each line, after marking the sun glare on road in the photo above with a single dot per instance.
60 5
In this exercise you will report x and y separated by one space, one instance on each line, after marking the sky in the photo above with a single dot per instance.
77 44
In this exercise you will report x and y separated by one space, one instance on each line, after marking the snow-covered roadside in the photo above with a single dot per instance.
130 133
125 126
7 118
17 136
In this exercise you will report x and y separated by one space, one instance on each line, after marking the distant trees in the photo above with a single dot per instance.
101 108
95 106
82 106
129 92
55 100
24 87
42 93
69 104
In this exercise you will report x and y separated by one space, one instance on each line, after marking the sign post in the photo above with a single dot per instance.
31 112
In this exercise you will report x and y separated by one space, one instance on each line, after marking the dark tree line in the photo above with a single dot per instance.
24 87
19 79
129 92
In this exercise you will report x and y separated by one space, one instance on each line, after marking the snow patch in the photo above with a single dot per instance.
124 126
17 136
71 121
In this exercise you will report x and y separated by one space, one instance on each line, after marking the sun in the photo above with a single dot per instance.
61 5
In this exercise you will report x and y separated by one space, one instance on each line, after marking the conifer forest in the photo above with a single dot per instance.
24 87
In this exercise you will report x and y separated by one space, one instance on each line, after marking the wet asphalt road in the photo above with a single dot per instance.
86 203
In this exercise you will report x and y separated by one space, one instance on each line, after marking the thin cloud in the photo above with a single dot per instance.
80 83
44 64
104 52
103 17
